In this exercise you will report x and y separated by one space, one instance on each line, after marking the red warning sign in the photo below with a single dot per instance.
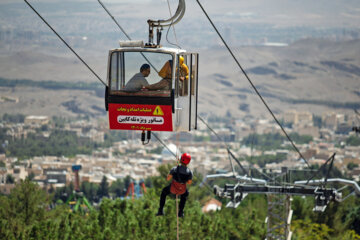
140 117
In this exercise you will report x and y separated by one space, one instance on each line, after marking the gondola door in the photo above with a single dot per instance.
186 92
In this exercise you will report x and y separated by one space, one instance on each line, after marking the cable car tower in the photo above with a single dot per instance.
168 101
279 190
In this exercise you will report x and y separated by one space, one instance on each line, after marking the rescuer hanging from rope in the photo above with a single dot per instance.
180 175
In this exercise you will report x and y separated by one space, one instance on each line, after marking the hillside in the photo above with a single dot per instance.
312 75
309 75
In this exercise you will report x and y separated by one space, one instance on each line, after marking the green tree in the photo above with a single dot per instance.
353 219
58 122
353 140
28 201
307 230
117 188
103 188
13 118
351 166
63 193
10 179
89 190
31 176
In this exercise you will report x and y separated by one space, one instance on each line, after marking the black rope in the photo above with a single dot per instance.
323 166
114 20
330 168
167 33
230 153
65 43
123 31
208 187
251 83
356 111
162 142
155 135
227 147
229 150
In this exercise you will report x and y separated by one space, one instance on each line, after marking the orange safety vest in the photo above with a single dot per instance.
165 71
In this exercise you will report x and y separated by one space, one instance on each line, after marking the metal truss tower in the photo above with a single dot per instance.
279 196
279 216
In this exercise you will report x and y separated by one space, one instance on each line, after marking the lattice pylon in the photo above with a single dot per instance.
279 217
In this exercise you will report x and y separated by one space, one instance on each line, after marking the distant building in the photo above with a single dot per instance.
290 117
308 130
19 172
211 205
329 120
225 134
55 175
36 120
106 154
6 188
182 137
298 118
305 118
332 120
344 128
3 173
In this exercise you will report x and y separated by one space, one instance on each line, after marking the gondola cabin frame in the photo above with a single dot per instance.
173 109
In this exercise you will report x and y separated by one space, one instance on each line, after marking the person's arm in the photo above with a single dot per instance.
190 178
144 84
185 71
169 177
163 84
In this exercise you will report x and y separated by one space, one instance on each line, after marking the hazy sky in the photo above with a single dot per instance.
324 13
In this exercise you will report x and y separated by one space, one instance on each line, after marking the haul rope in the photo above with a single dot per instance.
177 218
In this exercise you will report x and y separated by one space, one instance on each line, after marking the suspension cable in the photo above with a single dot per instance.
167 33
155 135
112 17
323 166
232 165
123 31
66 43
230 152
227 147
251 83
162 142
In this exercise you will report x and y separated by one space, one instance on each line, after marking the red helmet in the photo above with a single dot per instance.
185 158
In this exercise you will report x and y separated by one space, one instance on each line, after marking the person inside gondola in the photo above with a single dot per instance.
138 81
180 176
166 74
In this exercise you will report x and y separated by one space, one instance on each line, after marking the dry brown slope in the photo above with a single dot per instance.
318 70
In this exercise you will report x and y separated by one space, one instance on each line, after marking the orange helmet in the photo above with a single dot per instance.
185 158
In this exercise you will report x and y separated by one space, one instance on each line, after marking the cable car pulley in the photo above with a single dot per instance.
160 24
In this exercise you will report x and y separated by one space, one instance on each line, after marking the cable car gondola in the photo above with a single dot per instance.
173 108
168 99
